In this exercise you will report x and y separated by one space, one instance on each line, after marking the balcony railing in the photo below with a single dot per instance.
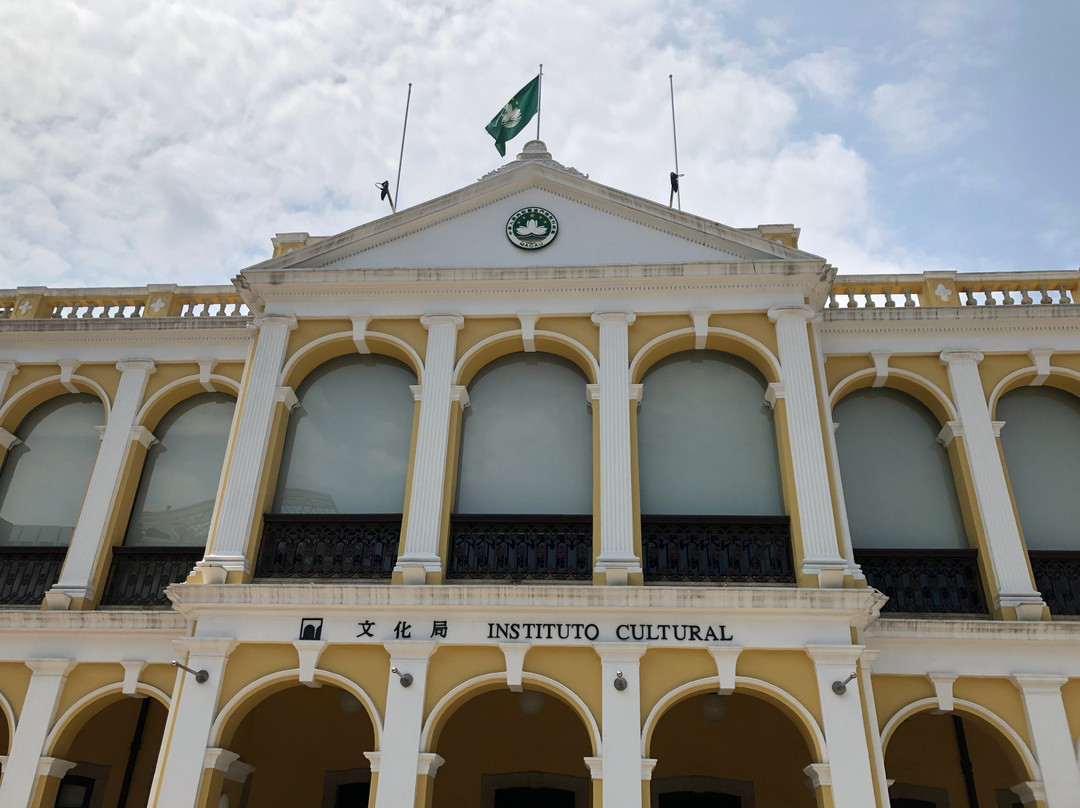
138 575
305 545
515 547
27 572
715 549
1057 577
925 581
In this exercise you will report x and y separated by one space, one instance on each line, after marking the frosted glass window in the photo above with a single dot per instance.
180 477
526 443
706 439
898 482
347 445
44 478
1041 441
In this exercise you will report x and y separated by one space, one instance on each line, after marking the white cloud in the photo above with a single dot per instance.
919 115
829 73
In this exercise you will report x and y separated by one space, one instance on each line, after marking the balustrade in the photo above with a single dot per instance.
717 549
972 289
925 581
329 546
138 575
26 573
1057 577
514 547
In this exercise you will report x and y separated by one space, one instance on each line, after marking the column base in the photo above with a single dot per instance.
68 598
618 570
1029 608
229 563
414 569
829 573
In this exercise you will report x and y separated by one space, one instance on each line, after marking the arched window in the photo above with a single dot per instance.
1041 442
898 482
44 478
706 439
347 444
526 439
179 484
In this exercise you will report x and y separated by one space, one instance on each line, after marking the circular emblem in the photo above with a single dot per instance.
532 228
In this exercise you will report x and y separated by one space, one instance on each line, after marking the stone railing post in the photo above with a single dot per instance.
424 527
617 560
1005 551
76 583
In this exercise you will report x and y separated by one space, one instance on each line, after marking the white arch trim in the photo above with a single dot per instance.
218 379
500 678
469 354
97 388
76 708
293 675
348 336
925 705
763 349
1054 371
9 717
711 684
904 374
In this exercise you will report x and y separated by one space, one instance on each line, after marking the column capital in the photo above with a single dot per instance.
840 655
7 439
206 646
788 312
427 763
147 366
602 317
1030 793
53 767
960 355
219 759
620 651
50 667
9 366
374 758
456 320
260 320
410 649
647 766
596 767
818 775
1034 683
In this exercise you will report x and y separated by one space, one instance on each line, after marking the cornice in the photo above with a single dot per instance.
93 621
918 629
39 333
931 321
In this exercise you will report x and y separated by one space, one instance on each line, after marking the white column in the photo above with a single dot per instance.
621 723
234 513
850 770
90 536
423 529
399 748
617 559
821 548
1005 551
35 721
1051 738
183 752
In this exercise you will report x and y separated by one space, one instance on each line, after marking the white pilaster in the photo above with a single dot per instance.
234 512
183 753
89 539
821 549
850 770
617 559
423 529
621 723
400 760
1051 738
35 720
1004 549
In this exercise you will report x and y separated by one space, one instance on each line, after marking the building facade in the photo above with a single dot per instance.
542 494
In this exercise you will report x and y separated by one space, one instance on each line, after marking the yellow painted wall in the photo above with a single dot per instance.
14 680
368 666
664 670
86 678
454 665
838 368
1070 694
252 661
893 693
578 668
1000 696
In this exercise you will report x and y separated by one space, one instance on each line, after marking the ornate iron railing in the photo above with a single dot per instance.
925 581
1057 577
27 572
138 575
744 549
514 547
305 545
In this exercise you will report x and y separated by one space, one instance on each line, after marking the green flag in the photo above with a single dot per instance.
512 118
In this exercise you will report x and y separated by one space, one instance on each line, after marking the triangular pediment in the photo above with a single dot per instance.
597 226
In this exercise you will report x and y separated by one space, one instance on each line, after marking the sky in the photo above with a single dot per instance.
166 141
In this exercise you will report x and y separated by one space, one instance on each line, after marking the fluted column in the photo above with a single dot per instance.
1051 738
821 548
424 526
235 511
617 559
89 539
35 720
1004 549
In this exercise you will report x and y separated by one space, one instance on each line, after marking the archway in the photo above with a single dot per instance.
948 759
513 750
115 751
733 751
304 746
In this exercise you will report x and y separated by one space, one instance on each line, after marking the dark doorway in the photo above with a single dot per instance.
534 798
352 795
911 802
75 792
699 799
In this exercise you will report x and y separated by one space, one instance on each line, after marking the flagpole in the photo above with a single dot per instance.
401 155
539 93
674 135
